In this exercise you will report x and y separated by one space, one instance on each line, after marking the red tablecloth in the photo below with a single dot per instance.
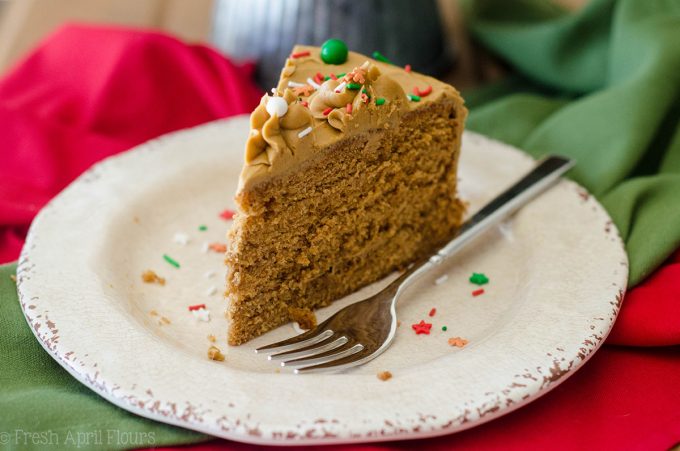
87 93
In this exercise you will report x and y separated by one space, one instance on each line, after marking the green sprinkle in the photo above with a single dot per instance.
414 98
340 75
170 260
327 77
380 57
479 278
353 86
379 101
203 227
444 328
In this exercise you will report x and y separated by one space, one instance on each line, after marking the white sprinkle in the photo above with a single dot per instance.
211 291
201 314
274 91
341 86
181 238
294 84
205 247
441 280
305 132
314 84
277 106
210 274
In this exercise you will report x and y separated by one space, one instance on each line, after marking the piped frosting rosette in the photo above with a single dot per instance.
275 124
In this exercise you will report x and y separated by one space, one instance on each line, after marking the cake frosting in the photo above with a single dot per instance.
316 104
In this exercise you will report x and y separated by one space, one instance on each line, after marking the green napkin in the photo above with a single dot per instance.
43 407
601 86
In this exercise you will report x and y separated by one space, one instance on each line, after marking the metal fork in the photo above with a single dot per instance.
362 331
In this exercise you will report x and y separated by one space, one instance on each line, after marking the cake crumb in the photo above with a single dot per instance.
458 342
398 323
214 353
305 318
153 313
212 338
13 277
165 320
149 276
384 375
135 220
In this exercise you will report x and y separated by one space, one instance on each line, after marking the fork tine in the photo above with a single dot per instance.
304 339
348 361
343 351
322 346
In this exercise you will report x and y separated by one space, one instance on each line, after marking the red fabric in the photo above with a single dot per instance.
87 93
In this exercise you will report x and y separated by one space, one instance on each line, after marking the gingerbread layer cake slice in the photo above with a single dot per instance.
350 174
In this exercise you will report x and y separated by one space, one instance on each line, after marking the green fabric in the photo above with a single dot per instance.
39 396
601 86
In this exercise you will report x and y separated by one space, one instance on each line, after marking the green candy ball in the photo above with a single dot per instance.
334 51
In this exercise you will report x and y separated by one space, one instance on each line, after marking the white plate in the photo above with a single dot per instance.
558 272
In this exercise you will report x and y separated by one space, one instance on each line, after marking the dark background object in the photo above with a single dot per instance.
405 31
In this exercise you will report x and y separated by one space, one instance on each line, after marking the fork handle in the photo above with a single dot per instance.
546 172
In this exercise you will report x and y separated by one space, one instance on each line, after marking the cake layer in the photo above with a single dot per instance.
351 213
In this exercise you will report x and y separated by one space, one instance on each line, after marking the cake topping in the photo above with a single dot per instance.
334 51
277 106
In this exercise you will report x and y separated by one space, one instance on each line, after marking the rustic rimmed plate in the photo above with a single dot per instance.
557 273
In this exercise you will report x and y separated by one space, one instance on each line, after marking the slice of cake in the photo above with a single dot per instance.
350 174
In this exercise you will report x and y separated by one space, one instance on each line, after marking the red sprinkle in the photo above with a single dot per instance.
433 311
333 76
327 111
422 93
304 104
318 78
300 54
348 108
196 307
218 247
407 68
422 327
364 97
478 292
227 214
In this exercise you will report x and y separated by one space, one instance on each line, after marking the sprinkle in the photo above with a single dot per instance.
364 97
220 248
150 276
407 68
458 342
277 106
201 315
305 90
294 84
304 104
340 87
332 76
384 375
441 280
214 352
170 260
424 92
274 91
181 238
209 274
380 57
205 247
341 75
313 83
422 328
478 292
348 108
305 132
227 215
318 78
413 98
327 111
479 278
353 86
432 312
379 101
196 307
300 54
211 291
203 227
444 328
